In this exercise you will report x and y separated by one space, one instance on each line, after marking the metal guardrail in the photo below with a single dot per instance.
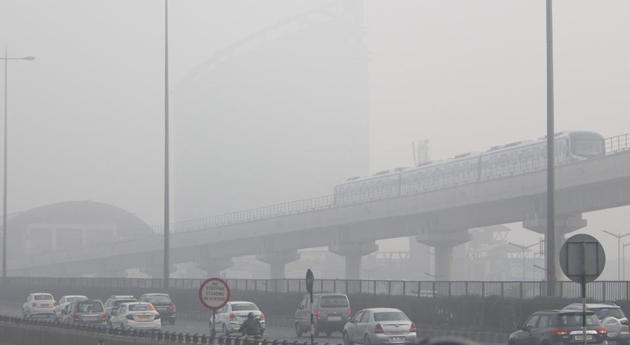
148 337
617 144
599 290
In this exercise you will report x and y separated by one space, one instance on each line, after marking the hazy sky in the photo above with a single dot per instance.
86 116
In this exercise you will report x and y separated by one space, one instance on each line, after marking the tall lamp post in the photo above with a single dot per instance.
523 251
550 252
6 59
618 237
167 220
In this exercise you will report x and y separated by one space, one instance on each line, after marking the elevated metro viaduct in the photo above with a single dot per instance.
440 219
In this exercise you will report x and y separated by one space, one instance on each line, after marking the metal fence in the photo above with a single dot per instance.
617 144
599 290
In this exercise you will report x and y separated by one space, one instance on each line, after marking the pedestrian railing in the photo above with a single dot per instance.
599 290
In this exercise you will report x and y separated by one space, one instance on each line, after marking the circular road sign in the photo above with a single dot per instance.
214 293
582 258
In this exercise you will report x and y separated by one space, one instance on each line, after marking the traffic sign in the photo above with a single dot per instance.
582 258
214 293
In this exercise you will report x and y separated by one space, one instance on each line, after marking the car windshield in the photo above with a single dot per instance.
43 297
609 312
140 307
158 299
390 316
575 320
89 307
334 301
244 306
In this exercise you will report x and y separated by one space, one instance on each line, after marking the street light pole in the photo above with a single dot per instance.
167 220
6 59
550 253
618 237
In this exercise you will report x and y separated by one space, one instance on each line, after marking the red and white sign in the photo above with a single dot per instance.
214 293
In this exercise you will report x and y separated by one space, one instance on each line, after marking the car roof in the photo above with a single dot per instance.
330 294
134 303
593 306
382 310
155 294
561 311
122 297
68 296
241 302
41 294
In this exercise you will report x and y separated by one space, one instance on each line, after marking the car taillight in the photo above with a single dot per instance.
76 317
625 322
349 313
156 317
129 317
232 317
378 328
103 317
262 317
602 330
151 307
412 329
316 312
559 332
33 304
172 307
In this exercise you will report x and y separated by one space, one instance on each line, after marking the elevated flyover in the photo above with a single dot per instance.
439 218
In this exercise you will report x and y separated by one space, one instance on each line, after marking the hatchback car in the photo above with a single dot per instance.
39 305
230 318
379 326
331 311
559 327
611 317
163 304
65 300
136 315
84 312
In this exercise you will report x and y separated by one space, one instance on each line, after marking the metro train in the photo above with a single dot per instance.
512 159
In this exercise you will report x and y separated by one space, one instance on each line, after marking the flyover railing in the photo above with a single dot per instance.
599 290
618 143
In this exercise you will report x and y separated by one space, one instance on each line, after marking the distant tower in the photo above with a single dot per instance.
421 151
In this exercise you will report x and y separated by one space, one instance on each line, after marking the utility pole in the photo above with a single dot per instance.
167 219
550 253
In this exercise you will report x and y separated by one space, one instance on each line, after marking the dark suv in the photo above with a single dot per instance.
559 327
163 304
611 317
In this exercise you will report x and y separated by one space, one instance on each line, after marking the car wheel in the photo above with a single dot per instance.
298 330
346 339
366 340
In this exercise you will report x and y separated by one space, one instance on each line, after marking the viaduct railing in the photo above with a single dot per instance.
599 290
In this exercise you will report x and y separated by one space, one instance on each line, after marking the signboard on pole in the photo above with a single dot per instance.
582 258
310 278
214 293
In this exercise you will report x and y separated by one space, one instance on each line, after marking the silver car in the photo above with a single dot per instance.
379 326
612 317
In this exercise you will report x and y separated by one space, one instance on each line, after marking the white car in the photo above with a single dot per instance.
65 300
39 304
136 315
233 314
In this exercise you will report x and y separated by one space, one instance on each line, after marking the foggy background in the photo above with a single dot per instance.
86 117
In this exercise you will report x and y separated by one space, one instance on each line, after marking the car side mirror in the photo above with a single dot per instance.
526 328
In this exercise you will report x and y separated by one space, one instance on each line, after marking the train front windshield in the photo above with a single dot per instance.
587 144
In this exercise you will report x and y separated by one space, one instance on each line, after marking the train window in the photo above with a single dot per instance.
588 148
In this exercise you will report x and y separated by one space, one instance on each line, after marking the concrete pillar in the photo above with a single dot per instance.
564 224
278 260
443 242
214 266
353 253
